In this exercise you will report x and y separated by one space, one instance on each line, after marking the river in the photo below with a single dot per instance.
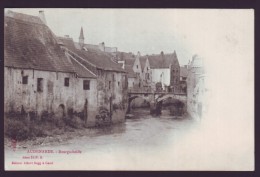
143 142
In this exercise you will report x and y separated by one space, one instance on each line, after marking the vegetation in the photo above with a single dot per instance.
28 126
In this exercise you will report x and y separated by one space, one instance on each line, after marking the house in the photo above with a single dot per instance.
111 77
38 77
183 78
196 88
163 69
137 68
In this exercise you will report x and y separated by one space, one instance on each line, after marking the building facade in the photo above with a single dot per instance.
112 79
38 77
196 88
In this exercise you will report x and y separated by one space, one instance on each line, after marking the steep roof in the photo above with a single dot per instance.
81 70
30 44
142 62
98 58
163 60
127 57
67 41
130 71
81 36
183 71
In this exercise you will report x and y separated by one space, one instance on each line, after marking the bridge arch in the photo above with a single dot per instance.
130 99
179 103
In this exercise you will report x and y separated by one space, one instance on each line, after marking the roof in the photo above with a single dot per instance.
142 61
130 71
102 60
129 58
30 44
163 60
183 71
24 17
81 70
81 36
67 41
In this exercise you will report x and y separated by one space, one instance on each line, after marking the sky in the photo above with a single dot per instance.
149 31
224 38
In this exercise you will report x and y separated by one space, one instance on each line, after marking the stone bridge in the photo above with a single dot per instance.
156 98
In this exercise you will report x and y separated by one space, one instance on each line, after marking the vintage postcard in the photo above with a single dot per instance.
129 89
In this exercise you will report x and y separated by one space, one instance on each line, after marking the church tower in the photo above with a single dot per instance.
81 38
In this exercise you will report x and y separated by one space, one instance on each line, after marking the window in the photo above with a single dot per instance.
25 79
113 77
67 82
39 84
109 85
86 85
137 66
118 83
147 69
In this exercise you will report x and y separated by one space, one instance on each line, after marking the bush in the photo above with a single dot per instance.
16 129
74 122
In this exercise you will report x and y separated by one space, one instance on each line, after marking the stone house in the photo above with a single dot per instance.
38 76
137 68
164 69
183 78
111 77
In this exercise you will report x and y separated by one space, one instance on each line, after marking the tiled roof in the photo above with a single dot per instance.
24 17
183 71
81 70
127 57
100 59
32 45
67 41
142 62
130 71
163 61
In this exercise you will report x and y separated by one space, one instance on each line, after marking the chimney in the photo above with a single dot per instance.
122 62
42 17
102 46
162 53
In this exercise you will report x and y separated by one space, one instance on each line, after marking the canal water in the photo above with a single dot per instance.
143 142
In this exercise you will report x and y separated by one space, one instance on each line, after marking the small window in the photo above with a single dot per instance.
25 79
147 69
86 85
67 82
118 83
137 66
39 84
109 85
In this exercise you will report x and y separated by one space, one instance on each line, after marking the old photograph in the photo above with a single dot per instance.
128 89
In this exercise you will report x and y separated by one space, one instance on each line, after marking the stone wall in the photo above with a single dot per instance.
112 93
18 96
